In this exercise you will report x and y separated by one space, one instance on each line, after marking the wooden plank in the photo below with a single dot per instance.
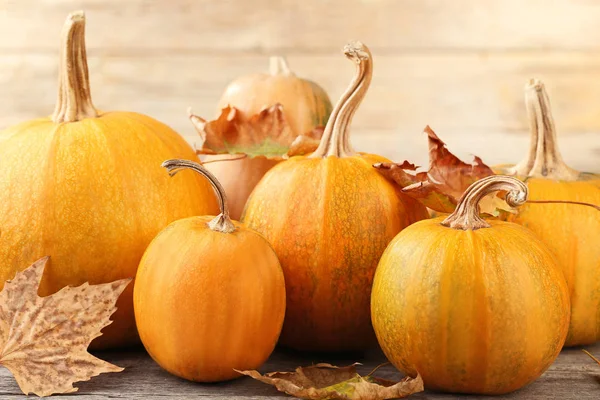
141 26
573 376
474 103
465 92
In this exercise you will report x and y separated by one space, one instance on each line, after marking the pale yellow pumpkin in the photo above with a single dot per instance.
305 104
571 231
86 188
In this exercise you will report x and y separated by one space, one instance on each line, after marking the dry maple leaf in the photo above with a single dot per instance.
44 340
325 381
447 178
264 134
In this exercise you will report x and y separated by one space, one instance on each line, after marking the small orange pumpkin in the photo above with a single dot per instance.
239 176
472 306
209 294
571 231
86 188
329 216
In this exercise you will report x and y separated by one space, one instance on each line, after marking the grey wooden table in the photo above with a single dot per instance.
573 376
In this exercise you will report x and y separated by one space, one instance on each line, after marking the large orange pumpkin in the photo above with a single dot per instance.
306 106
209 294
86 188
572 231
329 216
472 306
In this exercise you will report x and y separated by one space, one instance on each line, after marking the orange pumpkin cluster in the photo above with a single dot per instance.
330 255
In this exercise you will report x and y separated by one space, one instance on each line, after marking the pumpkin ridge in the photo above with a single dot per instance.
479 358
48 209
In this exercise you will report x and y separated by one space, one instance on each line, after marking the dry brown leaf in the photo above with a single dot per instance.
447 178
264 134
44 340
325 381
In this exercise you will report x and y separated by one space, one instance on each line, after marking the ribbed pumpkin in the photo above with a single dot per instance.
209 294
305 106
571 231
86 188
329 216
472 306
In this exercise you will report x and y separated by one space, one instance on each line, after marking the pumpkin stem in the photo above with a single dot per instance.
466 215
544 159
336 136
74 101
222 222
278 66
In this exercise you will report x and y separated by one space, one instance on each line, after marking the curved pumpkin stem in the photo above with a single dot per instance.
278 66
466 216
74 101
336 136
222 222
544 159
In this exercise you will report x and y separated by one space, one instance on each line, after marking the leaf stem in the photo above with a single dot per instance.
591 356
579 203
240 157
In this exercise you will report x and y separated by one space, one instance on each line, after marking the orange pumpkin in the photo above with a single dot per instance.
238 176
473 306
306 106
329 216
571 231
209 294
86 188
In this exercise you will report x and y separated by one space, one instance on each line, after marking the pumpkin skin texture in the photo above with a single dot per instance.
329 220
305 104
239 177
571 231
91 194
329 216
481 311
207 302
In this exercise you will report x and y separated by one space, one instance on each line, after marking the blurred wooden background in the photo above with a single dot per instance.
459 66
